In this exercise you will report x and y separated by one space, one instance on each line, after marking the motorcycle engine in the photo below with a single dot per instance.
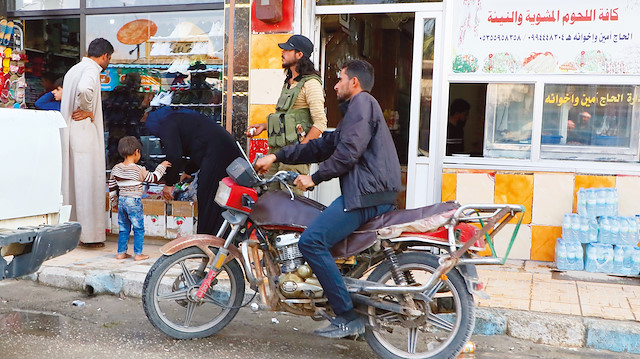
297 280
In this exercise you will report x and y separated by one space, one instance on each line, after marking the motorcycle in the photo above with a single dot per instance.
417 297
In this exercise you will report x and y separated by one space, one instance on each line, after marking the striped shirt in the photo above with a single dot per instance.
311 96
129 179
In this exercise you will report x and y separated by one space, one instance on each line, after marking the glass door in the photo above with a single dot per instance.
425 160
386 40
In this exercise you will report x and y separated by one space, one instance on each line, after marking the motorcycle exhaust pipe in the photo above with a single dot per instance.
388 306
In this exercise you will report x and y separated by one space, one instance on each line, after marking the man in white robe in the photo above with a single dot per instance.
83 152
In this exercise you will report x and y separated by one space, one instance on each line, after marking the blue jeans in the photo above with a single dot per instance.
330 227
130 214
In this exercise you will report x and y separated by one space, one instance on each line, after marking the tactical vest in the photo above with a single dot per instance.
281 125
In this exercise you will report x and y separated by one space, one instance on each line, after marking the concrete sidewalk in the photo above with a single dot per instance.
529 300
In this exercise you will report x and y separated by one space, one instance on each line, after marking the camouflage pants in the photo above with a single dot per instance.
301 169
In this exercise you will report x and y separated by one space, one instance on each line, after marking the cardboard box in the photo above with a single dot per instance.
153 207
155 218
115 227
180 219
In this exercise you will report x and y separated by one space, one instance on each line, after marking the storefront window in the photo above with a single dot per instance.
583 121
52 47
117 3
26 5
160 59
509 120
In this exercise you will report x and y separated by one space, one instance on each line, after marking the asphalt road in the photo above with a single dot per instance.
41 322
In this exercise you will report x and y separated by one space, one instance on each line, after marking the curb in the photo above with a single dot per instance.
615 336
541 328
560 330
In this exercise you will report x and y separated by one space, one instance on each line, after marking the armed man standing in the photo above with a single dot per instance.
299 115
362 154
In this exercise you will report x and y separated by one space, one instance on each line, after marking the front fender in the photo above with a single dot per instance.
202 241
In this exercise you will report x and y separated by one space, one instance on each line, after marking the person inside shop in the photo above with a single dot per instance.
301 101
579 132
83 159
51 100
458 115
362 154
48 81
185 132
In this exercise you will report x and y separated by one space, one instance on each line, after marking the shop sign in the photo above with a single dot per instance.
109 79
585 100
546 36
113 77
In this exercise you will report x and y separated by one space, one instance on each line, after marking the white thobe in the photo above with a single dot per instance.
83 152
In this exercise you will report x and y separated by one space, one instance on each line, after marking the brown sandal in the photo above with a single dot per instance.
123 256
91 245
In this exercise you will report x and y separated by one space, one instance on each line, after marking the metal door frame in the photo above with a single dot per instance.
424 174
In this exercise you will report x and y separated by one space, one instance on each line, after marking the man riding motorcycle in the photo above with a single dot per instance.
362 154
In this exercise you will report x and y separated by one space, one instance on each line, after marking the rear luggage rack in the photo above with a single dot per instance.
492 218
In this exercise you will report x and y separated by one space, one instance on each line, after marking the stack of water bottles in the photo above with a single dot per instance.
596 239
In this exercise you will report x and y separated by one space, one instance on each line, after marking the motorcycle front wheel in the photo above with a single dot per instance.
170 303
441 333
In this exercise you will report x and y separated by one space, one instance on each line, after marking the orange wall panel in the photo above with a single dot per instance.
543 242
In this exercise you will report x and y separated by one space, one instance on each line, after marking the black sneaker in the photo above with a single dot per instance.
340 328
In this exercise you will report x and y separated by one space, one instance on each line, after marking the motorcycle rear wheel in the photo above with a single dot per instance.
168 295
439 335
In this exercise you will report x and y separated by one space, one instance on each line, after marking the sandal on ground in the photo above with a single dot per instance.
91 245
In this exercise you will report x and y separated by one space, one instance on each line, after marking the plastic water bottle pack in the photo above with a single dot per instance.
626 260
596 202
569 255
577 228
599 258
618 230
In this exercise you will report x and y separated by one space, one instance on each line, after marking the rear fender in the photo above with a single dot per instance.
202 241
470 275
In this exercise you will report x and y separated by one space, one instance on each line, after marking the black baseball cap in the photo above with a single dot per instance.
299 43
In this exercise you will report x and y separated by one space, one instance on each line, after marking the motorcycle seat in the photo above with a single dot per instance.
393 222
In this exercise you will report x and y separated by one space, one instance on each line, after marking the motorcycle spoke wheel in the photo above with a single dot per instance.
170 301
440 333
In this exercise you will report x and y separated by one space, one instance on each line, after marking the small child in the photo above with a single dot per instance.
128 177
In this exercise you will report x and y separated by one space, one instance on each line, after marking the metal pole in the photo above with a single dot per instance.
230 31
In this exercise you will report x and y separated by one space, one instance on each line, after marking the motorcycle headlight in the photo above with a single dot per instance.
223 194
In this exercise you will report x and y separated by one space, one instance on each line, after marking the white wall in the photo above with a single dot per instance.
30 162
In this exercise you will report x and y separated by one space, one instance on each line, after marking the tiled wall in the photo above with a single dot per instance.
266 75
546 197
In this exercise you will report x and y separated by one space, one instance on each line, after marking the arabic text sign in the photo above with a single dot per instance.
587 100
498 36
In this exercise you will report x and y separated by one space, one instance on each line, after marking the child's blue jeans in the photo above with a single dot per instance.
130 214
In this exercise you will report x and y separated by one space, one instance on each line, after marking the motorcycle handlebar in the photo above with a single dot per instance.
287 177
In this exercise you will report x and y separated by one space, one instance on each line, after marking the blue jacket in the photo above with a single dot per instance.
360 152
47 102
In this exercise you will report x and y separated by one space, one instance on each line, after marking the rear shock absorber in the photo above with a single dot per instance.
398 276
